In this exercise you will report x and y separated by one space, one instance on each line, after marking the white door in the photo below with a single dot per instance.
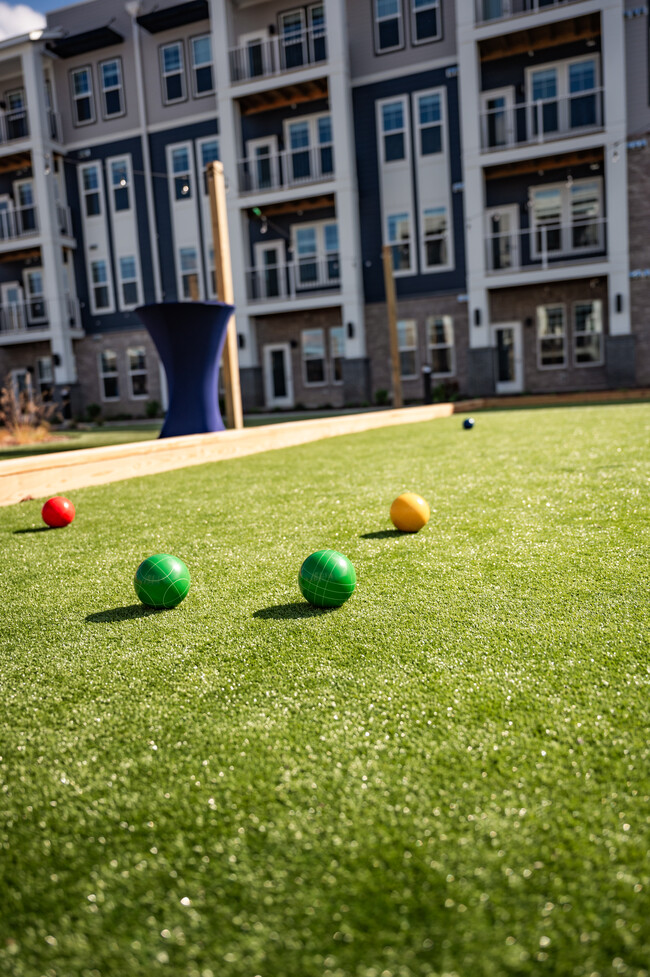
262 155
13 306
7 218
255 56
509 357
498 128
502 235
269 275
278 380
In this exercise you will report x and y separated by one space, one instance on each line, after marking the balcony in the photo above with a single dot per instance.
287 169
546 246
264 58
297 279
506 125
29 320
489 11
14 126
18 223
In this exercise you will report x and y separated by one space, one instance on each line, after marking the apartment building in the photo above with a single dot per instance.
497 145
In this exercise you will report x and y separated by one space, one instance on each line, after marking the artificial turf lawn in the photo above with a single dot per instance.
447 775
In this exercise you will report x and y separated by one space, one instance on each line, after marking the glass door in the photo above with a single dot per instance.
278 379
270 271
545 115
13 306
498 118
292 36
317 43
503 238
509 359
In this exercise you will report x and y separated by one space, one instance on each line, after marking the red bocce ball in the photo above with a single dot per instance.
58 512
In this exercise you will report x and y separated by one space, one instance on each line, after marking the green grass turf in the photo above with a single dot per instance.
446 776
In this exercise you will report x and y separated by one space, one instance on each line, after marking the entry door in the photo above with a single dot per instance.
278 381
13 306
502 238
509 358
498 118
255 59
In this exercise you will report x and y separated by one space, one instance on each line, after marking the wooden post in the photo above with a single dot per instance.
223 270
391 308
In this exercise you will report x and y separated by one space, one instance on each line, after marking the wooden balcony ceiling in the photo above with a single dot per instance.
546 163
276 98
27 254
15 161
323 202
550 35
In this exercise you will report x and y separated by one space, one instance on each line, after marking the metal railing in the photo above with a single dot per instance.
14 125
33 314
289 168
291 279
64 220
18 223
543 120
545 245
271 56
488 11
54 124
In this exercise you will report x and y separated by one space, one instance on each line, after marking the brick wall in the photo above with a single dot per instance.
639 234
22 357
87 352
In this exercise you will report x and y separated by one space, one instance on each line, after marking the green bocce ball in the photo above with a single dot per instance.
161 581
327 578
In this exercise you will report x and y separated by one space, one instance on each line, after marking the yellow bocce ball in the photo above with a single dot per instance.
409 512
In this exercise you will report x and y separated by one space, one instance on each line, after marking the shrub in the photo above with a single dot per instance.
25 415
93 412
382 398
152 409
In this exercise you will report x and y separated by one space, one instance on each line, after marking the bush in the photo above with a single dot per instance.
152 409
382 398
93 412
25 415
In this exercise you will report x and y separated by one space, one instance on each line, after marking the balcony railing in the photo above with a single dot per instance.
18 223
14 125
265 57
488 11
541 121
64 220
32 315
291 168
54 124
286 281
546 245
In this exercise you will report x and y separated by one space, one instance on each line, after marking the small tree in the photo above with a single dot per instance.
24 414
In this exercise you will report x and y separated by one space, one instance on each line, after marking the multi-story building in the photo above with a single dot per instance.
487 141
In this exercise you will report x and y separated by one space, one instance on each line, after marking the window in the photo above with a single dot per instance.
129 281
120 180
564 96
26 210
202 65
45 377
189 274
208 153
100 286
388 25
16 116
588 333
136 358
36 311
425 20
399 235
82 96
91 190
429 123
407 339
393 130
173 72
436 249
108 380
331 241
440 340
566 217
337 353
317 38
551 339
292 36
110 73
307 257
180 158
316 249
309 148
585 214
313 355
212 273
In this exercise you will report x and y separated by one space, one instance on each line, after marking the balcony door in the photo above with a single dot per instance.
7 218
498 118
278 379
262 157
509 357
503 238
13 306
292 39
269 270
16 116
255 58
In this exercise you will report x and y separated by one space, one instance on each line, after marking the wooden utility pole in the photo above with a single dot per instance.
225 293
391 309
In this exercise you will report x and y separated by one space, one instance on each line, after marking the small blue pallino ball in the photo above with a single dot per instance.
468 423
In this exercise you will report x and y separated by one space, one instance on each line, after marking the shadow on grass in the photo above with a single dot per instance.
33 529
383 534
297 609
122 614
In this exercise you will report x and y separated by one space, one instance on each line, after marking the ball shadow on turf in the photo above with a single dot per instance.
383 534
296 609
123 613
33 529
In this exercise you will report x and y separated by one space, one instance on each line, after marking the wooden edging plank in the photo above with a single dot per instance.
63 471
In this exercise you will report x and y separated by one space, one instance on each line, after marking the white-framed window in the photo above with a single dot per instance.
120 181
189 273
91 189
83 103
208 152
212 274
313 357
566 217
429 122
201 48
34 293
16 115
109 383
398 233
337 352
309 148
293 39
45 377
389 26
563 96
425 21
551 337
172 70
129 285
440 341
25 206
407 341
100 288
316 254
181 168
435 230
136 359
588 333
110 76
393 129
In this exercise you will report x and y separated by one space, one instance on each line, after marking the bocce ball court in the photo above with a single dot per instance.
448 774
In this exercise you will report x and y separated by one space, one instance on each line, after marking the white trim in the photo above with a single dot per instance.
511 211
164 75
426 40
408 349
429 321
427 269
260 248
565 336
563 95
304 359
199 144
575 334
412 268
517 384
378 76
138 373
128 306
102 375
93 259
131 133
18 308
507 92
267 350
193 66
273 157
111 186
38 297
76 98
113 115
566 222
171 148
405 130
180 274
399 16
83 193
